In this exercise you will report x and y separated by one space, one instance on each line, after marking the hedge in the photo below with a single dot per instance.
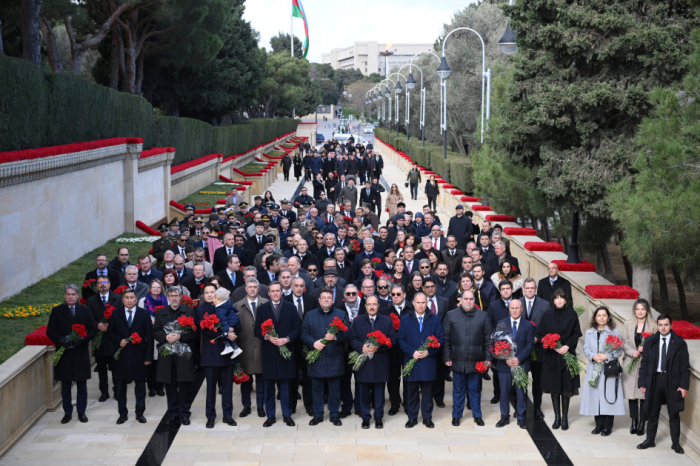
39 108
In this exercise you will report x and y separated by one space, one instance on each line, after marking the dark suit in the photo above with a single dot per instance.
339 296
486 294
322 254
372 198
545 290
524 340
362 256
220 261
497 311
290 215
493 262
539 307
103 354
443 306
152 275
264 277
191 284
308 259
308 304
114 282
453 263
225 279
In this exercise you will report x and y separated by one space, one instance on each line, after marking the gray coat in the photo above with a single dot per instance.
413 176
467 336
348 193
593 399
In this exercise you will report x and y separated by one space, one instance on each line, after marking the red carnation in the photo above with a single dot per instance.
396 320
481 367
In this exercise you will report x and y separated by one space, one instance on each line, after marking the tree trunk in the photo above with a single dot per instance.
599 262
629 271
545 229
31 37
2 50
681 293
642 281
608 264
139 75
663 285
566 244
114 60
51 47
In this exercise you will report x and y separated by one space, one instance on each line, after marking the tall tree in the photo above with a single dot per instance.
283 84
31 36
280 44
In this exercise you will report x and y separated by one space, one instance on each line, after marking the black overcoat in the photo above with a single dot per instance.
185 367
97 307
677 370
74 365
275 367
375 370
130 365
555 375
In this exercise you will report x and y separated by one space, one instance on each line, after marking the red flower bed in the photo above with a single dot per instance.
156 151
481 208
456 192
246 174
221 201
228 180
448 186
543 246
500 218
686 330
612 292
29 154
38 338
241 188
469 199
520 231
440 181
193 163
584 266
142 226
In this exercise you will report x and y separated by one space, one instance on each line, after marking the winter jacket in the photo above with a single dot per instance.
467 337
331 362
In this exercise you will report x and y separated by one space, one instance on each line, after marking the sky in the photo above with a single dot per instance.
337 24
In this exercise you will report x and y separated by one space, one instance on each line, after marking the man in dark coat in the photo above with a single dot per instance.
101 270
445 287
221 256
414 331
499 256
286 164
548 285
330 365
485 291
437 306
452 256
275 367
304 303
146 273
497 311
401 306
135 357
195 282
461 226
370 196
74 365
533 310
231 277
664 377
120 263
98 304
374 373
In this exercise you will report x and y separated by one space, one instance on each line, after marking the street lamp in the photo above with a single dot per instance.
397 90
412 84
507 41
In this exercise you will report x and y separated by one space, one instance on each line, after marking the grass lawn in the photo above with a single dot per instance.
210 198
50 291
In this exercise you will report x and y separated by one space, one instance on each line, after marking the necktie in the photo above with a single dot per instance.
515 329
253 305
663 356
435 244
182 251
72 312
371 321
133 287
179 275
233 278
529 309
420 323
409 264
433 309
300 309
129 319
551 283
104 300
229 251
478 293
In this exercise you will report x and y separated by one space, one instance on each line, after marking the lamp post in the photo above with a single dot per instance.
507 41
411 83
397 90
444 71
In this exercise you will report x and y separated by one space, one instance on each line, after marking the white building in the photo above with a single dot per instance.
366 57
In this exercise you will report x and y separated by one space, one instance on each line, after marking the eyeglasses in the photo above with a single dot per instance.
382 287
311 270
429 286
350 293
398 295
424 266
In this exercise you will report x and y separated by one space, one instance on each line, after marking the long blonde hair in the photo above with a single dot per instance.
394 189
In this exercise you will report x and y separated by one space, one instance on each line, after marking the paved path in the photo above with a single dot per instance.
101 441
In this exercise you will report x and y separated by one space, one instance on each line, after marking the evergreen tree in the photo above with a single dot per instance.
280 44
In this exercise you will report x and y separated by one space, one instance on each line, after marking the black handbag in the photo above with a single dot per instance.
611 369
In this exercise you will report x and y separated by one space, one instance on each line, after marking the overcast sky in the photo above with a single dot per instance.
335 24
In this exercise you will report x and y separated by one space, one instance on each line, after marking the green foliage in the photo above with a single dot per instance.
280 44
329 92
284 86
38 109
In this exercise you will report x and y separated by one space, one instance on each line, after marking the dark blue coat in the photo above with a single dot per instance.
410 339
375 370
316 165
488 293
211 353
497 311
524 342
130 365
331 362
275 367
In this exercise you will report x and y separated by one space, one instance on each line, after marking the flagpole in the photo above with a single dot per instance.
291 31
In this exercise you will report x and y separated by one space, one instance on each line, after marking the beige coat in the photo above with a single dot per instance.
629 381
251 358
391 201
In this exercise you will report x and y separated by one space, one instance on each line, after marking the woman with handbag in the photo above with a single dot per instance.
432 191
603 399
632 337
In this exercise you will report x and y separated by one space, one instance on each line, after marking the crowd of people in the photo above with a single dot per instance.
307 263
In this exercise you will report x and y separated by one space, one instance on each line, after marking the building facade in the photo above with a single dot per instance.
365 56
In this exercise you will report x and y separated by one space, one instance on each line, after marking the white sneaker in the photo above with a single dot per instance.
236 352
227 350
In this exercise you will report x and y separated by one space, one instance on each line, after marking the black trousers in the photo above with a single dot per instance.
286 175
179 394
139 394
304 380
536 370
152 384
224 376
103 368
394 385
372 394
247 388
637 408
604 422
660 396
496 383
432 203
346 396
439 384
81 401
426 400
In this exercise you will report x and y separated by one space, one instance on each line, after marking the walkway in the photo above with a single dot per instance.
101 441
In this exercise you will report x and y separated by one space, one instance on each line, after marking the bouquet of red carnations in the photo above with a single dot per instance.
121 289
551 341
77 331
611 344
503 347
189 302
134 339
431 342
481 367
211 322
179 326
336 326
635 361
396 320
355 246
375 262
97 341
239 376
376 339
268 328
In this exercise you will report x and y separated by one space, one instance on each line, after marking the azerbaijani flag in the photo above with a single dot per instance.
298 11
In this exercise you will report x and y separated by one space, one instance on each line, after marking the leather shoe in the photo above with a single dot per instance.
378 424
503 422
428 423
486 376
122 419
270 421
230 421
539 414
440 405
161 393
151 393
261 412
82 417
646 444
455 421
522 424
315 421
186 421
288 421
298 396
478 421
309 413
336 422
246 411
677 448
596 431
495 401
210 424
66 419
393 411
469 406
103 397
140 418
448 378
605 433
173 421
344 414
365 423
411 423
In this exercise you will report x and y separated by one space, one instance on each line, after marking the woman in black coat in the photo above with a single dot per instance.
353 166
331 181
432 191
318 186
298 166
556 379
217 368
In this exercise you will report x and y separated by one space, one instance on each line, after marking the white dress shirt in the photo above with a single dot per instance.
667 338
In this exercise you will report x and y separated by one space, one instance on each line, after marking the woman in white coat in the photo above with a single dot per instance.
605 400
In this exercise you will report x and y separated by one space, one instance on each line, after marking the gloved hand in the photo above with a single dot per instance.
79 341
65 341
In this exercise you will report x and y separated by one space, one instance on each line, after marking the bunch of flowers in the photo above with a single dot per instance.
97 341
239 376
481 367
504 348
375 262
396 320
27 311
212 192
211 322
635 361
268 328
336 326
431 342
611 344
376 339
355 246
551 341
121 289
77 331
138 239
202 203
135 338
188 301
38 338
347 219
180 326
90 283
